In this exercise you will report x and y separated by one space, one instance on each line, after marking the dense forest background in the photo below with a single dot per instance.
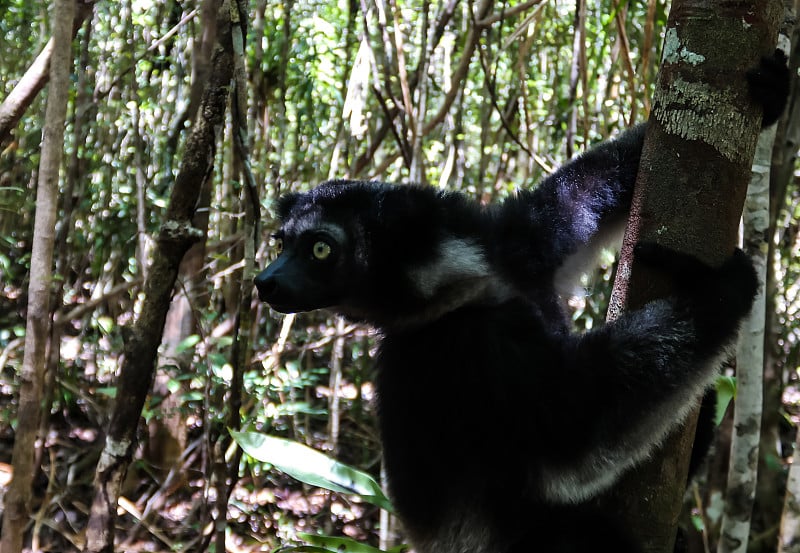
478 96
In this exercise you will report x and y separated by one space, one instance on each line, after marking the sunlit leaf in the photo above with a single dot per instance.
312 467
106 324
303 549
726 392
298 407
339 544
110 391
187 343
697 522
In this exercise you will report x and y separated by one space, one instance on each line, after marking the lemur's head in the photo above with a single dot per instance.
376 252
319 246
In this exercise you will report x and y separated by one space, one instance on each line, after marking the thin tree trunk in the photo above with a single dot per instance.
18 498
176 236
335 385
167 434
241 349
417 169
578 45
789 537
770 487
743 468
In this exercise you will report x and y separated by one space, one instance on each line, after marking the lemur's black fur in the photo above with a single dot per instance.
482 387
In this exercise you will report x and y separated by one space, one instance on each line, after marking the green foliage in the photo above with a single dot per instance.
325 544
726 392
312 467
326 98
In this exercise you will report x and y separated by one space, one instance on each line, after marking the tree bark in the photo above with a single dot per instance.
789 536
744 455
743 467
690 190
770 488
176 236
18 498
226 471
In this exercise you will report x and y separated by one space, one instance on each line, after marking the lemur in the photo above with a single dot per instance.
498 423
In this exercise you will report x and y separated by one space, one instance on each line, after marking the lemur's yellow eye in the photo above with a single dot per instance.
277 246
321 250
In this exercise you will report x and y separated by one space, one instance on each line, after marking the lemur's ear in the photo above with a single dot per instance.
285 204
769 85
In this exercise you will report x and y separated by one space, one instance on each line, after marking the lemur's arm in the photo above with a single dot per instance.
562 222
636 378
537 230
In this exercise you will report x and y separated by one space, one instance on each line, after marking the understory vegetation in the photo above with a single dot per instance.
480 96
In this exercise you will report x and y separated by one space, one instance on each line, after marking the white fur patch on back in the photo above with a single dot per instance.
567 278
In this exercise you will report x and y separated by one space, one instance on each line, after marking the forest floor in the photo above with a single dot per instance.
172 510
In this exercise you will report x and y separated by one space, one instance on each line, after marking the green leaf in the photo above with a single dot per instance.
298 407
344 545
187 343
193 396
303 549
110 391
312 467
106 324
697 522
726 391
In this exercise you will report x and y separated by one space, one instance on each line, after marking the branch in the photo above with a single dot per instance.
32 82
510 12
64 317
473 36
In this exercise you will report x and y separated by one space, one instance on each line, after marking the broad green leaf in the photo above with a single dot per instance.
303 549
344 545
106 324
312 467
193 396
726 391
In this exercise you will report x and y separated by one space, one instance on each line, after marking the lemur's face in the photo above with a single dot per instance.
307 273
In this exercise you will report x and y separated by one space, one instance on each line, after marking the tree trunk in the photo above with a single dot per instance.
175 238
789 536
226 473
691 186
770 486
18 498
743 468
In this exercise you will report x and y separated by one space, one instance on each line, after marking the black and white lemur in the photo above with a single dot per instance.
498 423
